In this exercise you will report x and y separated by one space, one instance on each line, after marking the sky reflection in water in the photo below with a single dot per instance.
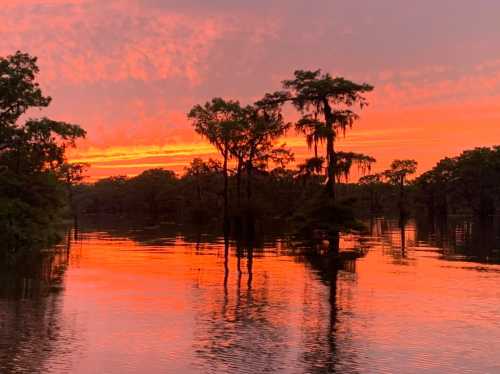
159 300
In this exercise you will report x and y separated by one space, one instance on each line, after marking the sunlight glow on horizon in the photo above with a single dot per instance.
128 72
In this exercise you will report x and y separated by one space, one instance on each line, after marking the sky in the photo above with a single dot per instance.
128 71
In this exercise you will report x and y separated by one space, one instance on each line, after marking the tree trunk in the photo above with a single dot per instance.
249 181
334 245
402 202
226 190
330 150
250 214
238 181
330 185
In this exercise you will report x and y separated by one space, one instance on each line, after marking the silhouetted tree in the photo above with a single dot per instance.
372 182
219 121
155 187
470 183
255 146
32 157
324 103
398 176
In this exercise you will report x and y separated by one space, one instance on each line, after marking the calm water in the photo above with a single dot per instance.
162 301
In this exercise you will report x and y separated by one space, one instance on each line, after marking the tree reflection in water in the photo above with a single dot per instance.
327 338
249 328
30 311
282 308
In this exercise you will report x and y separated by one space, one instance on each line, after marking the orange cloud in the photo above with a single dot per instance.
128 71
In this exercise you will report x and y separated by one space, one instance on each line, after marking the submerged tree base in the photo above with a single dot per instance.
322 219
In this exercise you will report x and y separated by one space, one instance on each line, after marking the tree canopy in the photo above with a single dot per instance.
325 105
33 160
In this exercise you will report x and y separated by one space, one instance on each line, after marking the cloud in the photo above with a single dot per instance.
128 71
86 42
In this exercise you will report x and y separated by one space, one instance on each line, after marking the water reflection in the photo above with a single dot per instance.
192 301
30 312
457 239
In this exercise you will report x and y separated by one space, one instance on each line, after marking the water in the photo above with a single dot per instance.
158 300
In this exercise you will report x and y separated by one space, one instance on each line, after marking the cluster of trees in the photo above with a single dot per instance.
395 178
158 195
34 173
466 184
245 136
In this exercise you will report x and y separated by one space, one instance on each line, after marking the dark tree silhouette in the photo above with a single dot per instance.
325 105
372 182
219 121
398 175
469 183
33 165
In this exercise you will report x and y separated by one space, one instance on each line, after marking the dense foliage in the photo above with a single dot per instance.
466 184
33 167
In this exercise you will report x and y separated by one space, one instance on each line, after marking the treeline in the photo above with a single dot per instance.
197 196
466 184
34 173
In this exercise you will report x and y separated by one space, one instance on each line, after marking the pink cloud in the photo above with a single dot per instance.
89 41
128 71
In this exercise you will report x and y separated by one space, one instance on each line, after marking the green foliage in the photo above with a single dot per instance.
33 165
30 208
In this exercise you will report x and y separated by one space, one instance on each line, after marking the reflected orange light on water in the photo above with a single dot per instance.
160 300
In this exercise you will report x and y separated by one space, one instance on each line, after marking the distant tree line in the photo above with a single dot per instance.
466 184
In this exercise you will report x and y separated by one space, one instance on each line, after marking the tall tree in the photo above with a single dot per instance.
32 156
398 176
325 105
220 122
261 127
72 174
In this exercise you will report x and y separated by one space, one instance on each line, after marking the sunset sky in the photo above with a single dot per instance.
128 71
